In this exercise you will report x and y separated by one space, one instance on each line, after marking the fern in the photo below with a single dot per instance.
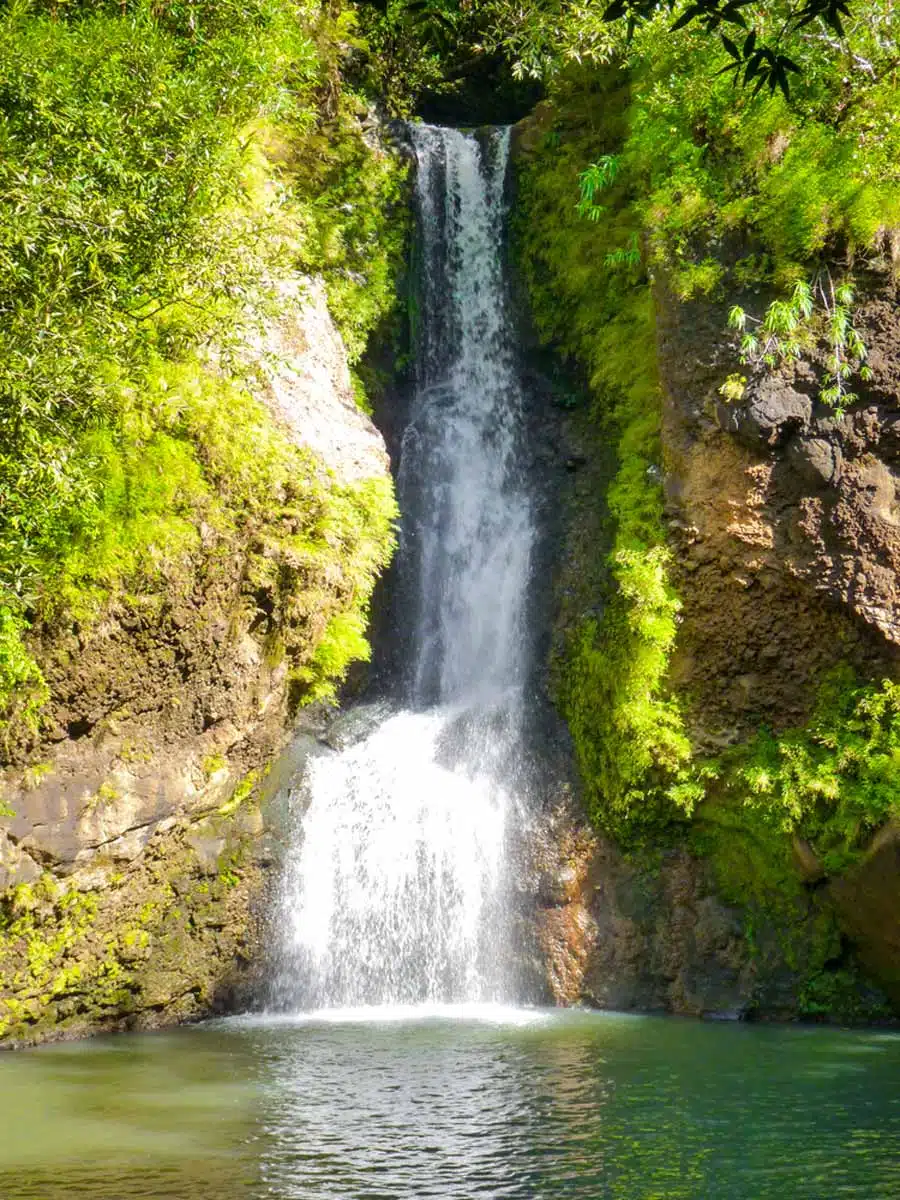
593 179
789 328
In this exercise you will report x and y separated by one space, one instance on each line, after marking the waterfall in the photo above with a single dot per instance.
394 894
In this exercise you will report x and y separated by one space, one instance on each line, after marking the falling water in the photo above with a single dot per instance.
395 893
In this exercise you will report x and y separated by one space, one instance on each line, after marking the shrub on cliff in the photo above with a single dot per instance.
647 159
834 781
159 165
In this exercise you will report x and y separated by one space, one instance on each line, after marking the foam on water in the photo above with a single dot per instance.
501 1015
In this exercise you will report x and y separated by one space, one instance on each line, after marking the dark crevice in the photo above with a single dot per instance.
79 728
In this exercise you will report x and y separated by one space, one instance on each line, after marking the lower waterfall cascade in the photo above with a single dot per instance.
393 892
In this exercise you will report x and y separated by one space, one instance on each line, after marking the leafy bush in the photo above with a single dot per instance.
834 781
789 327
807 177
160 165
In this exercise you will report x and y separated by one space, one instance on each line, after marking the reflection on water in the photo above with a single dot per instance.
499 1105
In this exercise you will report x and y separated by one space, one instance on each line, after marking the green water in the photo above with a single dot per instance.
501 1105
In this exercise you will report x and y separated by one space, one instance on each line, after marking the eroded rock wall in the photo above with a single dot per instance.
778 533
783 517
655 932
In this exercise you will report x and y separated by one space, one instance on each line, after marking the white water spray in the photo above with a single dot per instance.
395 893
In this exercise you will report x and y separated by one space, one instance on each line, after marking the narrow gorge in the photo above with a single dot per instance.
448 611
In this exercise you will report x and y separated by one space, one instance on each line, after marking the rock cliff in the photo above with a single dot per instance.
719 560
132 848
783 517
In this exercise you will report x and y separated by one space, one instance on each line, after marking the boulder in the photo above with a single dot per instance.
772 413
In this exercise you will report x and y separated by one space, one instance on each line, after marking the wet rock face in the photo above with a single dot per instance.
163 931
647 932
308 384
132 853
555 891
867 900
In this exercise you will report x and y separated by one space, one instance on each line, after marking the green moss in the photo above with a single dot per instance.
596 308
147 493
355 201
34 774
135 939
787 922
160 936
343 641
834 781
831 783
703 278
105 795
23 689
241 793
751 860
229 873
42 927
841 993
136 751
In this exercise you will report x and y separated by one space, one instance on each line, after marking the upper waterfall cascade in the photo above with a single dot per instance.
394 894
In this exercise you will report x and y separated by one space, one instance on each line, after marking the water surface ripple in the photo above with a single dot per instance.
488 1103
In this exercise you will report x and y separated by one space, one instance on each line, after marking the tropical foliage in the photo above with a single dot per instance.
160 165
837 779
163 162
648 163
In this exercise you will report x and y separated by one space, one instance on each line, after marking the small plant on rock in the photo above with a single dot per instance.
847 351
781 334
593 179
790 327
732 390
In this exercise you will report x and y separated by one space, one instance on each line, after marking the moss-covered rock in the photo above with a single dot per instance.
702 659
162 937
130 849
